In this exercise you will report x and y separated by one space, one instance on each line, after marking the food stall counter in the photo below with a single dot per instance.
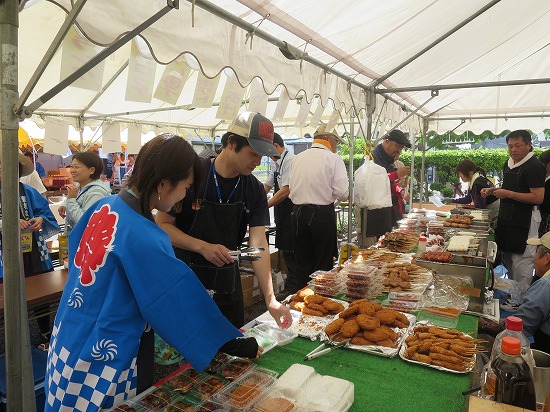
382 384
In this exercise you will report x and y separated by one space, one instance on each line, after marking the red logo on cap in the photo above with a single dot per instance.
265 131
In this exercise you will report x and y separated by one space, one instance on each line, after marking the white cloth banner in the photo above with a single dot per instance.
77 51
205 90
333 120
257 102
282 104
317 114
301 118
172 81
134 138
110 138
141 77
231 101
56 137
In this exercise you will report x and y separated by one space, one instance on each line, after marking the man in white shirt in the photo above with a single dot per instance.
318 177
278 179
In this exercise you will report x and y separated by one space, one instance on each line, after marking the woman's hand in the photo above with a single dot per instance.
36 223
72 191
62 210
280 313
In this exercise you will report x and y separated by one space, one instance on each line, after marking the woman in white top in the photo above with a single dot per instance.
86 168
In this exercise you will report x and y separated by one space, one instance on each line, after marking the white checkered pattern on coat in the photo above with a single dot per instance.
42 248
86 386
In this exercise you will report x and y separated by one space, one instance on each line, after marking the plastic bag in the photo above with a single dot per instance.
372 186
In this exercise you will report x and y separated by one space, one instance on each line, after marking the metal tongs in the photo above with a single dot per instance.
247 254
325 348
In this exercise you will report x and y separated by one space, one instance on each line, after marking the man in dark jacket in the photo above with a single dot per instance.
385 154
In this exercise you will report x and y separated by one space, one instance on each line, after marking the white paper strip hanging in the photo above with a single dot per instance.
333 120
141 77
257 101
231 100
282 104
172 81
205 90
317 114
77 51
110 138
134 138
301 117
56 137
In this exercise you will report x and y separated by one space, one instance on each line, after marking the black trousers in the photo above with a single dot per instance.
292 282
315 234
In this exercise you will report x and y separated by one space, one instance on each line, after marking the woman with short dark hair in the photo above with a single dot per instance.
476 178
86 169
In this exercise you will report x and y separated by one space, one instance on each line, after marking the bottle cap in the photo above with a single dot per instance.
514 323
422 239
511 345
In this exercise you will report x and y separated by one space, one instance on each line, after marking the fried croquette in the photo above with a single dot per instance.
308 311
402 319
334 326
330 305
318 299
387 343
359 340
349 328
367 322
318 307
297 305
352 310
359 302
305 292
386 316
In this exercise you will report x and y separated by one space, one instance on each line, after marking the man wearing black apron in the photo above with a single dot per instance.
318 177
279 178
231 200
519 218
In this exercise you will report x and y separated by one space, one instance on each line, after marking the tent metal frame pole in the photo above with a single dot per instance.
423 167
452 86
19 376
436 42
48 56
490 117
27 111
350 177
411 180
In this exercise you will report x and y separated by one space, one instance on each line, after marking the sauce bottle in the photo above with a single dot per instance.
514 381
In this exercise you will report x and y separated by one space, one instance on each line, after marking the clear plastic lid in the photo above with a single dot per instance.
265 341
244 392
235 368
282 336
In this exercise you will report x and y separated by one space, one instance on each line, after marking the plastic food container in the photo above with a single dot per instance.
209 386
282 336
220 360
265 341
244 392
184 382
181 404
158 399
210 406
129 406
236 368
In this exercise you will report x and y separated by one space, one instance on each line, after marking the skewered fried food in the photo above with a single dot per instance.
334 326
422 358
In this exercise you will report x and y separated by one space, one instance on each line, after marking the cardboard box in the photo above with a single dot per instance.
251 289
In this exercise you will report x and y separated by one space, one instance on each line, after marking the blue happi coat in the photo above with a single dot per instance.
123 274
37 206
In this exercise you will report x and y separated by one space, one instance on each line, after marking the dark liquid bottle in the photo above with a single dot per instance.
514 382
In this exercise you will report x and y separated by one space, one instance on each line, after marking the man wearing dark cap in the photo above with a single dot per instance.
318 178
278 179
230 200
385 155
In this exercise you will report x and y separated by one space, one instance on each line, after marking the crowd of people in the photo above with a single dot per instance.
190 214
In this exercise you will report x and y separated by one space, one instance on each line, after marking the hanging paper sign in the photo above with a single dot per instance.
316 118
56 137
134 138
141 77
282 104
333 120
231 101
75 52
172 81
301 117
110 138
205 90
257 101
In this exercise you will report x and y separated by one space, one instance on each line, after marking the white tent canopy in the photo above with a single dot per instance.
365 42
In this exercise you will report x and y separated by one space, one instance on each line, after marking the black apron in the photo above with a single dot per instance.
284 237
218 223
514 218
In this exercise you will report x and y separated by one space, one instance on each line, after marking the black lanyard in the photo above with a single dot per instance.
213 168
